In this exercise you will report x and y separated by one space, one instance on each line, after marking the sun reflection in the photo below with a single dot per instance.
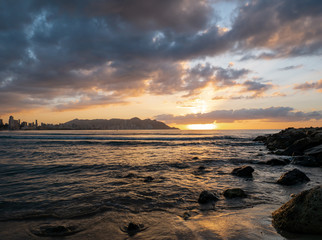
211 126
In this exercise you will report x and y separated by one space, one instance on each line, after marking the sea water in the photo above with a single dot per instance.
94 183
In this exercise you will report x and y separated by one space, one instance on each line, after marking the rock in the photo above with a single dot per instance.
298 147
201 168
195 158
293 177
260 139
306 161
315 152
133 228
276 162
234 193
131 175
302 214
186 215
244 171
207 197
55 231
148 179
291 141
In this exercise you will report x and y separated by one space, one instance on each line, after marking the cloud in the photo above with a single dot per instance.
278 114
309 86
256 87
278 28
54 52
291 67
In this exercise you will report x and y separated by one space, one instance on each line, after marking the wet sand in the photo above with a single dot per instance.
250 223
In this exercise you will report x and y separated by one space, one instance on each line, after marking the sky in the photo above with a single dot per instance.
226 64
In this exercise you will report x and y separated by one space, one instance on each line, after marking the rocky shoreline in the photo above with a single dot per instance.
303 144
303 213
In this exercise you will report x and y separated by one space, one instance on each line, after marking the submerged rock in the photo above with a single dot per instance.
302 214
276 162
207 197
234 193
244 171
293 177
148 179
201 168
133 228
55 231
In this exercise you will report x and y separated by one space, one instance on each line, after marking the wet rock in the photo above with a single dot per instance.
293 177
293 142
186 215
244 171
148 179
276 162
316 153
55 231
207 197
302 214
201 168
234 193
133 228
131 175
260 139
306 161
195 158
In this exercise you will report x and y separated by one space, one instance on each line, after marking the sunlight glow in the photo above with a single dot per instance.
211 126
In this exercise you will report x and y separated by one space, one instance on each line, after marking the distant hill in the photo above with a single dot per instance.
114 124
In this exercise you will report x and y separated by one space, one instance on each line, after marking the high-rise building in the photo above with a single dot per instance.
11 122
1 123
36 123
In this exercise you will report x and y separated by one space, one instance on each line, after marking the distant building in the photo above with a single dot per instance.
13 124
36 123
1 123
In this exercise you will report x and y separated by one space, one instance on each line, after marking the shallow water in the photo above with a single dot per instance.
95 182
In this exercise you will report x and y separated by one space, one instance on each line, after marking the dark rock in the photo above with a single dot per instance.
292 142
207 197
302 214
244 171
195 158
131 175
298 147
186 216
293 177
306 161
276 162
315 152
133 228
148 179
201 168
234 193
55 231
260 139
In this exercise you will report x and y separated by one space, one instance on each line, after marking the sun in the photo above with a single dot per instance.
211 126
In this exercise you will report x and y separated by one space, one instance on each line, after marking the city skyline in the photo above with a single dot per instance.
191 64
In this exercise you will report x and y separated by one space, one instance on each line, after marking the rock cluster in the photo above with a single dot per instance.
302 214
303 142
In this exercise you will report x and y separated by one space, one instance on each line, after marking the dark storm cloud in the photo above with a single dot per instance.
272 114
310 85
286 28
53 50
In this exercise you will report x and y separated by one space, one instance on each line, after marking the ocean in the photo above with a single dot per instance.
92 184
